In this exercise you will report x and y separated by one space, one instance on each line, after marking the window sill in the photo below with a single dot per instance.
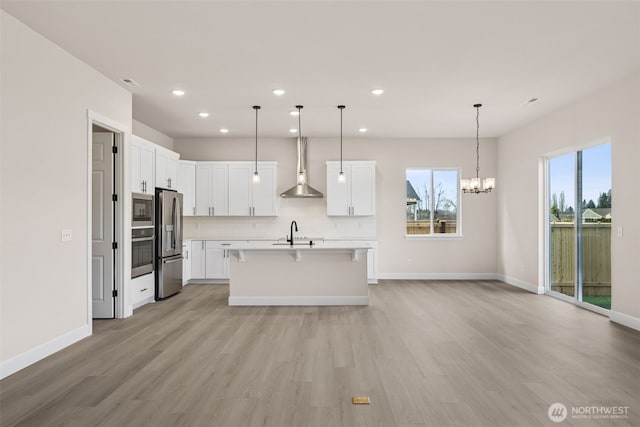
440 236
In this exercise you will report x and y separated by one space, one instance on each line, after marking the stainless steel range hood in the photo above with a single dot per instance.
302 189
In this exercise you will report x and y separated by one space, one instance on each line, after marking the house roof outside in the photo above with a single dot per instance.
412 195
596 213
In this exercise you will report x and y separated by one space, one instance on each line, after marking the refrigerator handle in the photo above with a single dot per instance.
175 225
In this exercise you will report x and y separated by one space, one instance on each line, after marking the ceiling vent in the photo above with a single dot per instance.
130 82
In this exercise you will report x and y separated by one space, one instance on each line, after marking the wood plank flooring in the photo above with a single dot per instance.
467 353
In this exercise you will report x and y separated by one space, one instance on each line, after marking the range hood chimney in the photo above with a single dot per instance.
302 190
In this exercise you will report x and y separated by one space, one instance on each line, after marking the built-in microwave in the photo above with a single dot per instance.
142 210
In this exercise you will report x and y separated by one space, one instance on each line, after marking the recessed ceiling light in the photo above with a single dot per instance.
177 92
294 113
224 130
377 92
279 92
203 114
362 130
292 130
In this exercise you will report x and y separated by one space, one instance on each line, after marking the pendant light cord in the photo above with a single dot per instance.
256 107
478 140
341 107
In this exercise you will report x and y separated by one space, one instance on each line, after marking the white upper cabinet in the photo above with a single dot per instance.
211 189
166 168
247 198
142 165
186 184
357 195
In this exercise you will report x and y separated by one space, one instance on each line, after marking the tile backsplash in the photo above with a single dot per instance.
310 214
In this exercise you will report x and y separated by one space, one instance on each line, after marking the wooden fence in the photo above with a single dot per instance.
596 258
422 227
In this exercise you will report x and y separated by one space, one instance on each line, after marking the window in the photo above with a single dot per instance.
432 202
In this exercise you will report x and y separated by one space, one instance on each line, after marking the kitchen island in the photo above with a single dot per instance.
324 273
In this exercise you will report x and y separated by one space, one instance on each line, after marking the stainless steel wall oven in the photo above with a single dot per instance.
142 251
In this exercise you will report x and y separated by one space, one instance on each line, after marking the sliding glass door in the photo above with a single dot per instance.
579 226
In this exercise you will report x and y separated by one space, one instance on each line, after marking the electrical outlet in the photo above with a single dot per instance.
66 235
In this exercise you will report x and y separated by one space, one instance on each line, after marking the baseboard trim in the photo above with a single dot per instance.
520 284
41 351
437 276
283 300
625 320
145 301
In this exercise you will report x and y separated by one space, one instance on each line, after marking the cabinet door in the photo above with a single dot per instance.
147 160
372 271
216 261
186 184
136 178
240 182
219 190
161 169
363 189
186 263
264 197
338 197
197 259
172 170
204 181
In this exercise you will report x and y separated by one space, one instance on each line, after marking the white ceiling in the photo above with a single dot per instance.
433 59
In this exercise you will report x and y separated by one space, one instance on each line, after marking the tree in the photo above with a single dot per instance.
590 204
604 200
562 206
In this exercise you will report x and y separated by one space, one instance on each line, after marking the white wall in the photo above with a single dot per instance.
150 134
398 257
46 93
613 112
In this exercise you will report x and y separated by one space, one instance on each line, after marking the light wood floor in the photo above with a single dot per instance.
427 353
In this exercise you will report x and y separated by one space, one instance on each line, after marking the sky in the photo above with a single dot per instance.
596 174
420 178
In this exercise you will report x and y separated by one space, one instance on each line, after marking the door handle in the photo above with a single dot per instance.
169 182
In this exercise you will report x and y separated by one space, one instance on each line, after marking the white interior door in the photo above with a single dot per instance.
102 262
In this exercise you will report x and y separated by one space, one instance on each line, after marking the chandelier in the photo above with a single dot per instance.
472 185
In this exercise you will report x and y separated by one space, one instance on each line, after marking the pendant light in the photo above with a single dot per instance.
473 185
341 177
256 175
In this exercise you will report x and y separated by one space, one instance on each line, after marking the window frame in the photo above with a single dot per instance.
437 236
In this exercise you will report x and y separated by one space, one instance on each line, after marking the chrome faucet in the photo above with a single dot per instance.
293 223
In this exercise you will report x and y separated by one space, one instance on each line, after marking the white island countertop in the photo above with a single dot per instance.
298 247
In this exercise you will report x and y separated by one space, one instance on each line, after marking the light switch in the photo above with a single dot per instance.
67 235
619 231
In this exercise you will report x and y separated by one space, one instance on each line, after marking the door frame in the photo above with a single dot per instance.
121 141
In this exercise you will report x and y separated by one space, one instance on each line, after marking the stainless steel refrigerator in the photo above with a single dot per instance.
168 243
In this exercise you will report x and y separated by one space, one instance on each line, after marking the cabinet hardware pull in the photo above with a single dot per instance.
142 290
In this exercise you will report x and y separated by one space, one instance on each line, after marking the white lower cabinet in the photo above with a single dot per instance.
209 259
186 262
216 261
143 290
